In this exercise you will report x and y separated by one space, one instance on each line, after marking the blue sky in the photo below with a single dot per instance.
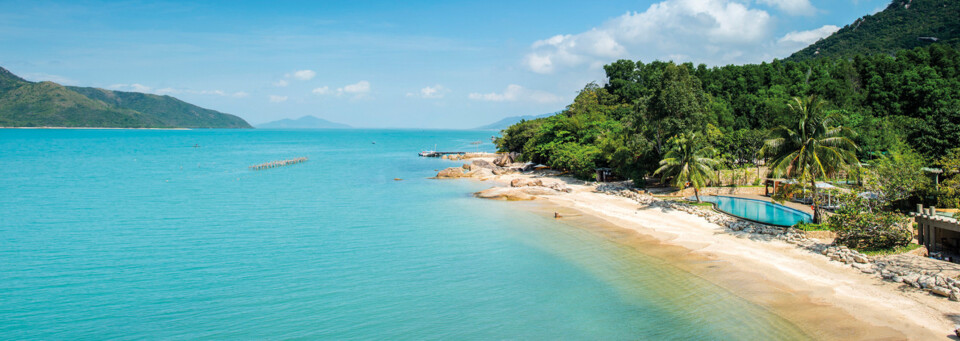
410 64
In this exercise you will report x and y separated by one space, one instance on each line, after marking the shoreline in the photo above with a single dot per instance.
825 299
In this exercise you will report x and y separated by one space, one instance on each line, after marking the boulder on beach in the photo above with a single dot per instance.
483 164
526 182
482 173
505 159
450 173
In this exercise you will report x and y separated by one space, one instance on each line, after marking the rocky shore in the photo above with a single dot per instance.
917 277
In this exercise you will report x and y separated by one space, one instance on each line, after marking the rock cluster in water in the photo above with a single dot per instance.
482 169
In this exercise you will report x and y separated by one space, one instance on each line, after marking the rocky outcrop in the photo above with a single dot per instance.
526 182
451 173
505 159
466 156
482 174
513 193
483 164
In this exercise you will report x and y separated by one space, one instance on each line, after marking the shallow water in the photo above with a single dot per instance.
138 234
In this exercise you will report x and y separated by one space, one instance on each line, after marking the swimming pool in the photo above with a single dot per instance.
759 210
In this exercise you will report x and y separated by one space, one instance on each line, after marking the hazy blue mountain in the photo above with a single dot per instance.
306 122
509 121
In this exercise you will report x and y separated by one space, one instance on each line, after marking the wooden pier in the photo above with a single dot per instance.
439 154
281 163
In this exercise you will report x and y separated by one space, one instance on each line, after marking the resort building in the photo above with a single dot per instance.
940 234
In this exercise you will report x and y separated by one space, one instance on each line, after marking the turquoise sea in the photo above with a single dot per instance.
138 234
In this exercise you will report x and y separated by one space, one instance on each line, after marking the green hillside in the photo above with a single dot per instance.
168 111
48 104
904 24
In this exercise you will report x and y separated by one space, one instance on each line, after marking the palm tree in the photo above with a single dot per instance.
813 150
687 161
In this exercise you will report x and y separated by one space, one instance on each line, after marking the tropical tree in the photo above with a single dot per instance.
688 161
897 177
813 149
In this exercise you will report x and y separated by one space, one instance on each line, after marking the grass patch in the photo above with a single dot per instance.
890 251
700 204
812 227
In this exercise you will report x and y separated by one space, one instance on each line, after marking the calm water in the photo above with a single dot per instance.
137 234
757 210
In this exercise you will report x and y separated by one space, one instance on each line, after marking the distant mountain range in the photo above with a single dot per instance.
904 24
48 104
509 121
306 122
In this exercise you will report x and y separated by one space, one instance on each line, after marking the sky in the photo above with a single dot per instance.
393 64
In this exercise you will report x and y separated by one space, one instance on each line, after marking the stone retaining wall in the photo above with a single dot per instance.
820 234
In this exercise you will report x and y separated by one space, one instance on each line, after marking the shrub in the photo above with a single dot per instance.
812 227
860 226
581 160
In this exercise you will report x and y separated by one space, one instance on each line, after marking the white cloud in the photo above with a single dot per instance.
712 31
40 77
321 90
303 75
805 38
281 83
135 87
430 92
175 91
358 90
277 99
792 7
515 93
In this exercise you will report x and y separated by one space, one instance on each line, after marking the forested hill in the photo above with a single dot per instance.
910 101
48 104
904 24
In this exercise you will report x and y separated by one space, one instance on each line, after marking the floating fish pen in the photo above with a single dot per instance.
281 163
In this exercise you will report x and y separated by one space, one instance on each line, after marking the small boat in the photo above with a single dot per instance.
476 142
430 153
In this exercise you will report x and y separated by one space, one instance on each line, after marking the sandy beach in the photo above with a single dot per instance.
828 300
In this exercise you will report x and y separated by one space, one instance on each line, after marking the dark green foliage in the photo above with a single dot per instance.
897 27
860 226
27 104
948 193
912 98
897 178
580 139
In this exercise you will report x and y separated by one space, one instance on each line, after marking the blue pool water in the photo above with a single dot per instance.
759 210
136 234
